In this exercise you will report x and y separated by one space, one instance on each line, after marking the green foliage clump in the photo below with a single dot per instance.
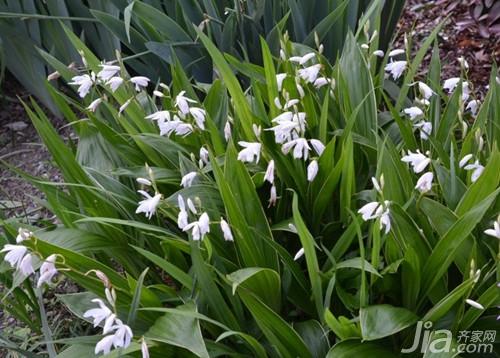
277 221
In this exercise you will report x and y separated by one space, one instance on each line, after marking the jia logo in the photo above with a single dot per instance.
441 340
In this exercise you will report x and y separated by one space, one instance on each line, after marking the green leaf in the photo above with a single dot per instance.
180 331
307 242
444 252
381 321
358 81
265 283
357 263
175 272
358 349
285 340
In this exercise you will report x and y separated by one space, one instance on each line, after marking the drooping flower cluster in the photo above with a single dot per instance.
107 76
419 162
417 115
183 120
396 68
201 227
116 333
19 257
377 210
476 168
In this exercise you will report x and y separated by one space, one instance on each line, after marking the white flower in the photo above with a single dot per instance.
417 160
144 181
396 52
85 84
204 154
15 254
450 84
300 90
474 304
425 129
182 219
290 103
413 112
114 83
368 210
256 130
477 170
107 72
376 210
299 254
159 116
379 53
269 176
495 232
282 54
104 345
465 160
226 230
140 82
425 91
396 68
300 148
175 126
309 74
280 77
187 180
284 130
376 185
302 59
312 170
365 46
250 153
465 91
422 101
227 131
473 105
191 206
320 82
94 104
122 336
318 146
144 349
424 183
182 102
463 62
148 205
26 265
23 234
385 221
124 105
199 116
272 196
98 314
199 228
47 270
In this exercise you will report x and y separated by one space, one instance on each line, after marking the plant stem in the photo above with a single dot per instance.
45 325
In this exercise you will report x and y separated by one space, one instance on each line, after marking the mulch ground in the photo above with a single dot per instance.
460 36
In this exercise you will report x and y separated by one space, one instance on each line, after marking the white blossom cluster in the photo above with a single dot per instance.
19 257
109 76
116 333
183 120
